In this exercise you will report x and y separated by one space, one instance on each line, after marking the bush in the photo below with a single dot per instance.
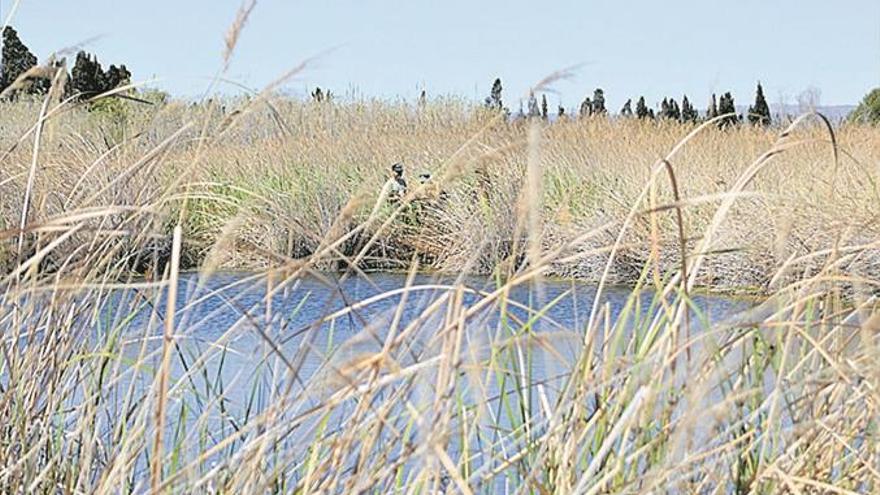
868 110
111 116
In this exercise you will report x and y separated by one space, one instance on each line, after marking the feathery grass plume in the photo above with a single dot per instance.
235 29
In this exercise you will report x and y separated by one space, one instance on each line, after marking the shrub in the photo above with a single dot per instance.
868 110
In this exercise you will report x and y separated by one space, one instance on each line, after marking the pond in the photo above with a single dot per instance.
229 311
239 352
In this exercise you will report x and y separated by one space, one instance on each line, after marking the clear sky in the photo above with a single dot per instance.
395 48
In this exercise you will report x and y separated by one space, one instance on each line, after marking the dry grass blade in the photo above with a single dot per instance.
164 371
234 31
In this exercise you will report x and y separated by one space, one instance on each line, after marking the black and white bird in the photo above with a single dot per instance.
398 183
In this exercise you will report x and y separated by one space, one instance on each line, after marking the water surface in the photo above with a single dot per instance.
239 353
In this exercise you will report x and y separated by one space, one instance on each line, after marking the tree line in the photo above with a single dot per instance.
19 75
86 79
670 109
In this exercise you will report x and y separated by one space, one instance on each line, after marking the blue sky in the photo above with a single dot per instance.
395 48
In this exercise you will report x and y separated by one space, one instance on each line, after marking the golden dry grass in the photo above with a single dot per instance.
272 179
780 399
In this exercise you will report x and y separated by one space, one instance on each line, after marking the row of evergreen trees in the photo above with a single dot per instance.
87 77
758 114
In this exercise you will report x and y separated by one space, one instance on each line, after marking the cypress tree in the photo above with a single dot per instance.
115 77
493 101
726 105
674 110
16 58
560 111
670 110
712 111
688 112
759 113
87 78
641 108
598 101
534 109
544 113
627 111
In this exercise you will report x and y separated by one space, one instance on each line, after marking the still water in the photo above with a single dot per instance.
240 351
334 318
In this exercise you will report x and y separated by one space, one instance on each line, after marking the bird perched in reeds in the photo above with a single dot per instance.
428 191
398 185
431 190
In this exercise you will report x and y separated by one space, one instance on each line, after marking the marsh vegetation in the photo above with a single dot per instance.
196 296
120 227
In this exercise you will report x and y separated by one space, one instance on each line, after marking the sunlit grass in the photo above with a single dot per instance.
278 180
104 396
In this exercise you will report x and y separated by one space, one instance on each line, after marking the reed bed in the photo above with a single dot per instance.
109 395
277 174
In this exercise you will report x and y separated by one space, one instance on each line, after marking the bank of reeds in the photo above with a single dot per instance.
276 175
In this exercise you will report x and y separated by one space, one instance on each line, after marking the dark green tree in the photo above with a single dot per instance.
560 111
115 77
641 108
669 109
16 58
493 101
544 111
688 112
599 101
726 106
534 109
674 112
627 110
759 113
868 111
86 78
712 111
